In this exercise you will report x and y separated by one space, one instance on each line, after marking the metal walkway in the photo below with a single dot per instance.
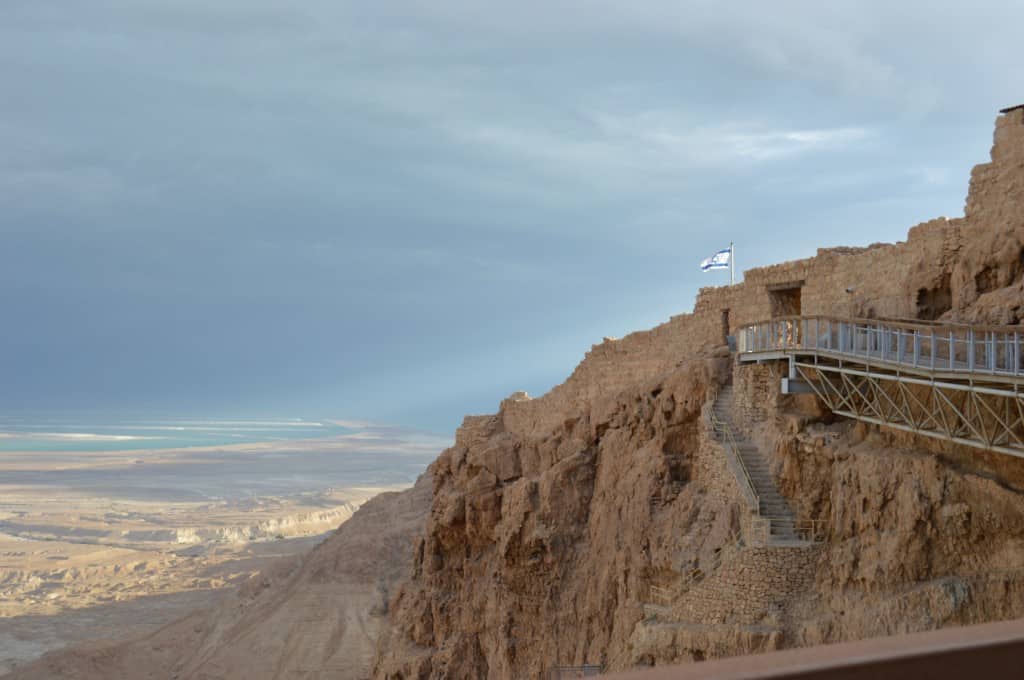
956 382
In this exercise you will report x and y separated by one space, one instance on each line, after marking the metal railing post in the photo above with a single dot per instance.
1016 353
932 349
970 350
952 350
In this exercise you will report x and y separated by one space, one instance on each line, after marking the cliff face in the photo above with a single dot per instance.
540 545
555 521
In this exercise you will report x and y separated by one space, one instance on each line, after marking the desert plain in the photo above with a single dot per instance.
101 545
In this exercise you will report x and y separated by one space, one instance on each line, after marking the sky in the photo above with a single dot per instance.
404 211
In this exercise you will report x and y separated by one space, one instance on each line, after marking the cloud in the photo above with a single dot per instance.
631 150
253 203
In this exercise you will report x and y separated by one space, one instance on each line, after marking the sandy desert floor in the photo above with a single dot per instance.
74 570
91 548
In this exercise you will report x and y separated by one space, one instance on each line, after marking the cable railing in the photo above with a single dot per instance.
667 595
766 530
951 348
735 461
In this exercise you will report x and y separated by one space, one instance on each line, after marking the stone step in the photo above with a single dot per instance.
771 503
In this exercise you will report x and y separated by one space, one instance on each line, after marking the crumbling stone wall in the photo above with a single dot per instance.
944 266
610 367
752 587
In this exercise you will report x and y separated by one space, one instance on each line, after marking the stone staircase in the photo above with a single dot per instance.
772 505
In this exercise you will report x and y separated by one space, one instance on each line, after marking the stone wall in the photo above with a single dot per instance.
846 282
751 587
756 394
611 366
944 266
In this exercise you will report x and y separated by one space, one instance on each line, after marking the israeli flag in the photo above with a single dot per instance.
719 260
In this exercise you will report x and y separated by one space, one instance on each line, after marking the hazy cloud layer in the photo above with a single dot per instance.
404 211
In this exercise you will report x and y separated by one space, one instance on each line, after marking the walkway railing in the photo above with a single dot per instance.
667 595
960 383
991 350
735 462
762 526
807 530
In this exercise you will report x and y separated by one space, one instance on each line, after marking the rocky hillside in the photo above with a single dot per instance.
313 617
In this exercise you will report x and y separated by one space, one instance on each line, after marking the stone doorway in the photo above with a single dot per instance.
785 299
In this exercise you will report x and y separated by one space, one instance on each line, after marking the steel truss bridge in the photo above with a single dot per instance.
960 383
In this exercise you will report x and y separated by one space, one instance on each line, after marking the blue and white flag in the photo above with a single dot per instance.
719 260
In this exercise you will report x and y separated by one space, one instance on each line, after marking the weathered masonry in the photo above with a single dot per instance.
923 335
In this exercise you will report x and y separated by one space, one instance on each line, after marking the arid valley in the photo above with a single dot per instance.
100 544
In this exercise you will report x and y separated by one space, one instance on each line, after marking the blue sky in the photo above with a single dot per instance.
402 212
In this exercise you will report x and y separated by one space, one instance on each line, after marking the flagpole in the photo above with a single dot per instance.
732 264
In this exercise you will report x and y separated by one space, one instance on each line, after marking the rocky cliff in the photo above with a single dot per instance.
556 522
